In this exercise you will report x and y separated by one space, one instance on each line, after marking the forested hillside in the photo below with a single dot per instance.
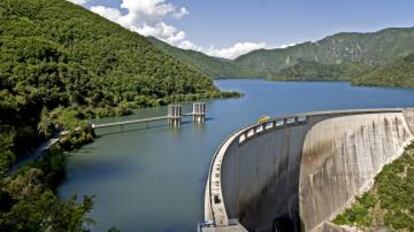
369 49
341 56
59 66
56 54
397 74
315 71
211 66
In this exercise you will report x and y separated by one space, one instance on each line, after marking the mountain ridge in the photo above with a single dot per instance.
367 50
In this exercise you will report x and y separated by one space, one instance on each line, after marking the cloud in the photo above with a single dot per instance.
79 2
235 50
147 17
287 45
111 14
181 13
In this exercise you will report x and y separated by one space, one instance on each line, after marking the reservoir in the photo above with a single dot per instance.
152 177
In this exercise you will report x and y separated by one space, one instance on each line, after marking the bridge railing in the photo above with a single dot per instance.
174 117
270 125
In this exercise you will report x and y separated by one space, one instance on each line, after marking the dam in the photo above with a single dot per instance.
297 172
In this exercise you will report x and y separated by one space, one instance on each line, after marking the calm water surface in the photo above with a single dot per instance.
151 177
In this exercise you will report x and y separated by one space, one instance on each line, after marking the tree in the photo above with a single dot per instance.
44 124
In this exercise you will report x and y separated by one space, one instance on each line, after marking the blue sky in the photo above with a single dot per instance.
228 28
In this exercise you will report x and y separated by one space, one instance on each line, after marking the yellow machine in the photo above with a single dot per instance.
263 119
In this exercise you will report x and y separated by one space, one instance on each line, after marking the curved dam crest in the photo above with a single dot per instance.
296 172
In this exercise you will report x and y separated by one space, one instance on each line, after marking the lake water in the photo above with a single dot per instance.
151 177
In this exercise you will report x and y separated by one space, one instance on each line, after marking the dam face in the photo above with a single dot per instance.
265 168
293 173
340 158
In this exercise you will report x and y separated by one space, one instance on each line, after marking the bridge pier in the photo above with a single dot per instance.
175 115
199 112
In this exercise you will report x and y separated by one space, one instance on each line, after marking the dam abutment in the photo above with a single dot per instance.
275 175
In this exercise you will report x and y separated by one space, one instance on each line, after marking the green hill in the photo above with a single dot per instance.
54 53
340 56
97 62
314 71
211 66
59 66
397 74
367 49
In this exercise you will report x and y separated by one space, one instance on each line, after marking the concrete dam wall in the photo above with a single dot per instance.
295 172
341 157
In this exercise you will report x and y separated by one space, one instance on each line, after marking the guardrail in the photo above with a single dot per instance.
269 125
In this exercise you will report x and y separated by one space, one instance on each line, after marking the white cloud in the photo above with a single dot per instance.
181 13
147 17
79 2
236 50
109 13
287 45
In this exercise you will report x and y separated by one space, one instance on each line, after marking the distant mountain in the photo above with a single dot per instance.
315 71
397 74
211 66
367 49
341 56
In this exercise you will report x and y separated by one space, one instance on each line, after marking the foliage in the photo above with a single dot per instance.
7 157
366 49
45 212
74 139
28 201
398 74
57 58
211 66
390 203
342 56
314 71
61 65
359 214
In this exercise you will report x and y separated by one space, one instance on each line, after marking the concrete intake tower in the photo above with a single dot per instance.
296 173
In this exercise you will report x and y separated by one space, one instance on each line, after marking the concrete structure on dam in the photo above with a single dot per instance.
295 173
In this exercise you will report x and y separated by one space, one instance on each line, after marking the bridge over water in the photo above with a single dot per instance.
296 172
174 117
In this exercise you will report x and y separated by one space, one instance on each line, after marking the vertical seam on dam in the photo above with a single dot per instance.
243 182
368 154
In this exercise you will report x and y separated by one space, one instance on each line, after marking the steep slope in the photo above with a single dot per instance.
54 53
67 39
388 205
211 66
315 71
398 74
59 66
368 49
341 56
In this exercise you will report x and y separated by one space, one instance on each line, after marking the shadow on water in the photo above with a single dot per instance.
86 150
120 130
107 169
